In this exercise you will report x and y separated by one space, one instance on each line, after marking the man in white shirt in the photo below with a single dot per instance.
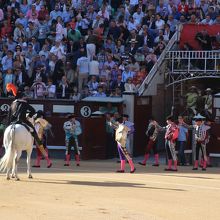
82 69
207 20
138 16
58 50
159 22
94 67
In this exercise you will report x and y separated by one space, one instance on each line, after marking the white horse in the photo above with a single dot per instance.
16 139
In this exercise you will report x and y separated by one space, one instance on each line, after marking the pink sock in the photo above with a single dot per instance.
156 156
175 164
122 164
131 164
196 164
146 156
169 164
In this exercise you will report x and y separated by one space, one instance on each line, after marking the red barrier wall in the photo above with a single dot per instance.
189 32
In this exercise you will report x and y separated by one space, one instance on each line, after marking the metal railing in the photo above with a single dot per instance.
157 65
194 61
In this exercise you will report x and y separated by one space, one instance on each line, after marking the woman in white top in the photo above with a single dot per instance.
129 86
50 89
59 29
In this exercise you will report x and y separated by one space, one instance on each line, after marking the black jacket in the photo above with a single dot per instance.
18 111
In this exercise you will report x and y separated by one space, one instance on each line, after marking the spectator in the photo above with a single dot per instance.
70 74
42 13
94 67
21 77
8 77
50 89
129 86
159 23
22 20
30 53
24 6
82 69
39 88
7 61
43 31
93 84
85 92
127 74
75 95
28 93
58 50
31 30
32 12
100 92
55 13
63 89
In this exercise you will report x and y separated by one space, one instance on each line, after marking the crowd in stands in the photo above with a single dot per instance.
72 49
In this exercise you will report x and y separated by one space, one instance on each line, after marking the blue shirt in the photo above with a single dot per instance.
182 133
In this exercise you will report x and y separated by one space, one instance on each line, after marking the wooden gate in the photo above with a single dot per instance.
142 112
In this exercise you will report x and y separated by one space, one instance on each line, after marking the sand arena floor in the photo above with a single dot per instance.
94 191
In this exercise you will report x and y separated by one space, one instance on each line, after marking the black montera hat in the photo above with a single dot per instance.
20 94
40 113
125 116
170 117
71 116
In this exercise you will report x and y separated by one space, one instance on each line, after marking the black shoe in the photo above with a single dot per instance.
66 165
132 171
142 164
77 165
120 171
36 166
194 168
168 169
203 169
175 170
49 166
156 165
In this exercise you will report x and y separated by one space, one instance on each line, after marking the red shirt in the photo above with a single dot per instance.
183 8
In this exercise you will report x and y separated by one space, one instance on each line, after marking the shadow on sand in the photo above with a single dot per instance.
101 184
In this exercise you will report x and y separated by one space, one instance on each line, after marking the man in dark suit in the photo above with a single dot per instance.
21 77
136 37
141 6
38 73
132 48
117 84
168 32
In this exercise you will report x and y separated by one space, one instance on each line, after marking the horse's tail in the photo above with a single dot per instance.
7 160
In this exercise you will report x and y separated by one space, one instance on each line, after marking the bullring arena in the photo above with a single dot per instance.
94 191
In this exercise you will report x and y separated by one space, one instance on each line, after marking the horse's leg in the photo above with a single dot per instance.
8 174
16 164
29 164
13 166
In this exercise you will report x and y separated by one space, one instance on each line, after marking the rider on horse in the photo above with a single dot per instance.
18 115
